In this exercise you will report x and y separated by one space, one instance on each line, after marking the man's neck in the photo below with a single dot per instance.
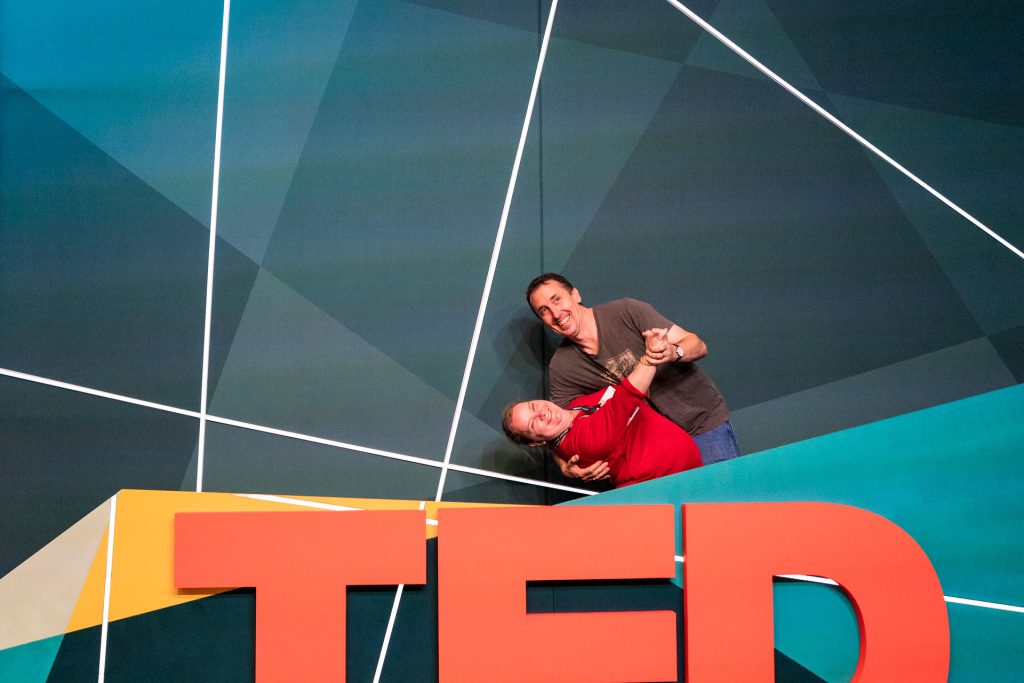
587 339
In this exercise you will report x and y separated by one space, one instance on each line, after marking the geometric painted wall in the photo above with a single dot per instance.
354 197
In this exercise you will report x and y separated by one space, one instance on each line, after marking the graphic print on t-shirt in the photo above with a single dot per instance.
619 366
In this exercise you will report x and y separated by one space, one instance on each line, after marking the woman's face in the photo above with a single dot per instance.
539 421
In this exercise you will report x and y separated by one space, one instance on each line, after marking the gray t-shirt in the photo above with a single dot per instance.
680 391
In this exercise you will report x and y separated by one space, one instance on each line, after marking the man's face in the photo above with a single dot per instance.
539 421
558 308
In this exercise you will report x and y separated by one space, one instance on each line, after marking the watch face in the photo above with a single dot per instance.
679 350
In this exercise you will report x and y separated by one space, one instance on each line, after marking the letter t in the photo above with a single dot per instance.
300 564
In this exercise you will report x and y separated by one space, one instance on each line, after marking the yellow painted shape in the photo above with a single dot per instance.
89 608
142 574
142 577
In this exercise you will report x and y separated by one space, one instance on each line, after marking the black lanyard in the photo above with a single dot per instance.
586 410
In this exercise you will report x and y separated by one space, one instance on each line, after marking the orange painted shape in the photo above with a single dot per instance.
733 550
485 559
300 564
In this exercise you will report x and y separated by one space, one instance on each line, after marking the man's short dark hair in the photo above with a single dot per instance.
506 426
547 277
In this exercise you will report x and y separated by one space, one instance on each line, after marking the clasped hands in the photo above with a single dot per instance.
658 349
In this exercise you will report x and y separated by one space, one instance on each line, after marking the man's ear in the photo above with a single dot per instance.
576 295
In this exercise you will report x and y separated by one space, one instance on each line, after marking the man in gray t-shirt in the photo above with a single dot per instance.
601 346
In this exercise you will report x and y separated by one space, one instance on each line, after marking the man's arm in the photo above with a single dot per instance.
642 316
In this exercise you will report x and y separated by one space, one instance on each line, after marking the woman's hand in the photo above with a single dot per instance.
596 472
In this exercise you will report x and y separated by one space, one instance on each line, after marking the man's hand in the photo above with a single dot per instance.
596 472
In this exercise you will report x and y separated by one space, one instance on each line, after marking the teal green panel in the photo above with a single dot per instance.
951 476
988 645
955 490
816 626
30 662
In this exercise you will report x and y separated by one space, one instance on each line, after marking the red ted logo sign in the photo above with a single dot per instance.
300 563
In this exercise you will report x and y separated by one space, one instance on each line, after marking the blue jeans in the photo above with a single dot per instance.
718 444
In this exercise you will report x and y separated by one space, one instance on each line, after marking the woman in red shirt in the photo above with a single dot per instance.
616 425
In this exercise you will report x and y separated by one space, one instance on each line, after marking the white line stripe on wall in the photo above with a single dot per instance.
96 392
104 627
497 250
387 633
982 603
948 598
201 449
285 433
521 480
322 441
839 124
297 501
